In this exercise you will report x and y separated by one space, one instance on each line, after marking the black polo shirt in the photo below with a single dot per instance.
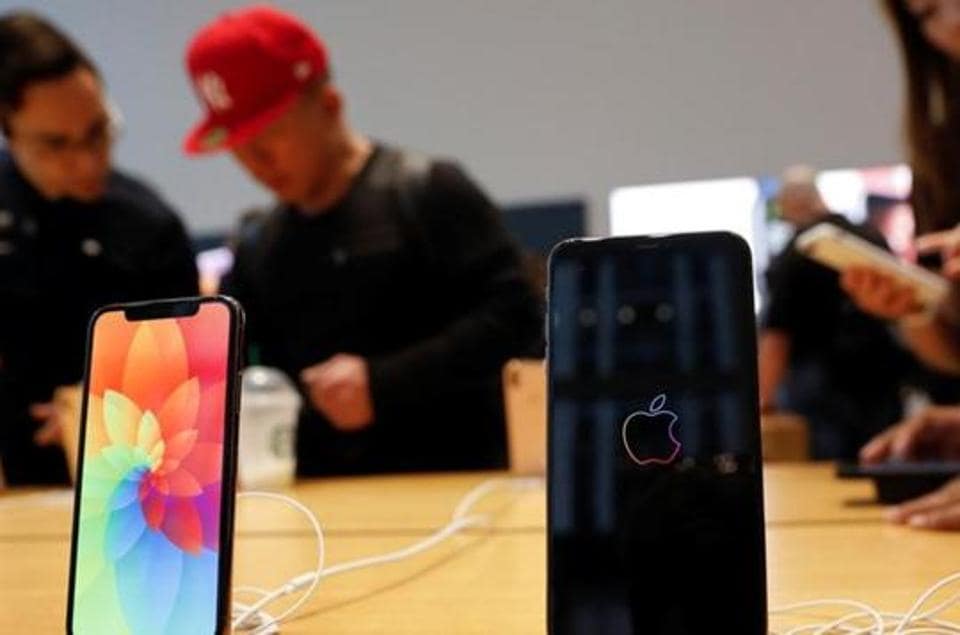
426 286
59 261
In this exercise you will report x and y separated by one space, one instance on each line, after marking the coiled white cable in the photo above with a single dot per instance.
913 622
251 617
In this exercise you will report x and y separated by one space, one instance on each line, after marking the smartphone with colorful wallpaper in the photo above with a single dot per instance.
654 492
152 545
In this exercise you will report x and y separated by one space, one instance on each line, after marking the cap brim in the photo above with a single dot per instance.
212 135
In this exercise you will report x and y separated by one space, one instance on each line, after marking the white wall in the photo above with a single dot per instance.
538 98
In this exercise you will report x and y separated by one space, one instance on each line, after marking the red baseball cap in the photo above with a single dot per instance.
248 67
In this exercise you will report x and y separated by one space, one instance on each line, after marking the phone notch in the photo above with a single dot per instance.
155 310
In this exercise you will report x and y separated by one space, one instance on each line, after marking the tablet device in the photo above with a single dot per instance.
839 249
899 481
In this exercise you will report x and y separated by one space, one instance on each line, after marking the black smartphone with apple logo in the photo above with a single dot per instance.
655 494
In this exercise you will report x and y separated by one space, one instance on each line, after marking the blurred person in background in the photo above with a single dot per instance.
75 234
928 32
383 281
821 356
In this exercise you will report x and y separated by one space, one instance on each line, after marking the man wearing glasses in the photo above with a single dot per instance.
74 234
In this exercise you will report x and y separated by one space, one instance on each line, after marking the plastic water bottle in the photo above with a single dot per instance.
269 408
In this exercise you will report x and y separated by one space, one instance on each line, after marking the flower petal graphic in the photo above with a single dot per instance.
156 454
178 447
121 416
197 593
183 484
111 339
156 364
154 507
208 505
127 489
179 411
206 335
212 411
148 436
182 525
121 458
204 462
96 433
126 524
149 575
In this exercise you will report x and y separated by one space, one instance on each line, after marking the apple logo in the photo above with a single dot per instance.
643 437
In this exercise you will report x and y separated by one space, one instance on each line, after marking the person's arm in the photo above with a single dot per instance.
933 434
934 339
497 314
774 355
938 340
935 342
787 306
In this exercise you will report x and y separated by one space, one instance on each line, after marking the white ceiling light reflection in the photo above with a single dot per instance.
694 206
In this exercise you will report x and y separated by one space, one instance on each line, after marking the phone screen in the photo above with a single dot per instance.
655 507
153 521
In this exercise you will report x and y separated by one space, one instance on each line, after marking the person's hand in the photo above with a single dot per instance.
947 243
934 433
937 510
50 431
340 388
879 293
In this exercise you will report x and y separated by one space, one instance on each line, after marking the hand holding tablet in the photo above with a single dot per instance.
879 282
933 434
919 457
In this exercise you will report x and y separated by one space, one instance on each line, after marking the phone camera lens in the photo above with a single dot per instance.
588 317
663 313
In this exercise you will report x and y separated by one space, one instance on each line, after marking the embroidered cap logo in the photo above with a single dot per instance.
213 90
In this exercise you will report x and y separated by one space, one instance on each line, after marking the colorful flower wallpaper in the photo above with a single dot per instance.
147 541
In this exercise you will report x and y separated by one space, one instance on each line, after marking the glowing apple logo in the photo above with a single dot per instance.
642 436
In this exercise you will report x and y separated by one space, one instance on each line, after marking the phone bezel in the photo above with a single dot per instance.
624 244
165 309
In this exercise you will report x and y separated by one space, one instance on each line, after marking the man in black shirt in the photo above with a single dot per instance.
819 354
74 234
384 281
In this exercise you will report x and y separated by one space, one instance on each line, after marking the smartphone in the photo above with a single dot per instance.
655 494
152 542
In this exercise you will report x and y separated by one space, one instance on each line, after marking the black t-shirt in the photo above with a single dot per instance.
856 350
59 261
425 285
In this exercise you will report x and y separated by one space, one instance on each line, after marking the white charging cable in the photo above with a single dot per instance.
460 520
913 622
253 619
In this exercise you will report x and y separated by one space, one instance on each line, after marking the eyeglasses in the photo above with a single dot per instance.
99 137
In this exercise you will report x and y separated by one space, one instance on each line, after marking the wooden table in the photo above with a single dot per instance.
824 540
